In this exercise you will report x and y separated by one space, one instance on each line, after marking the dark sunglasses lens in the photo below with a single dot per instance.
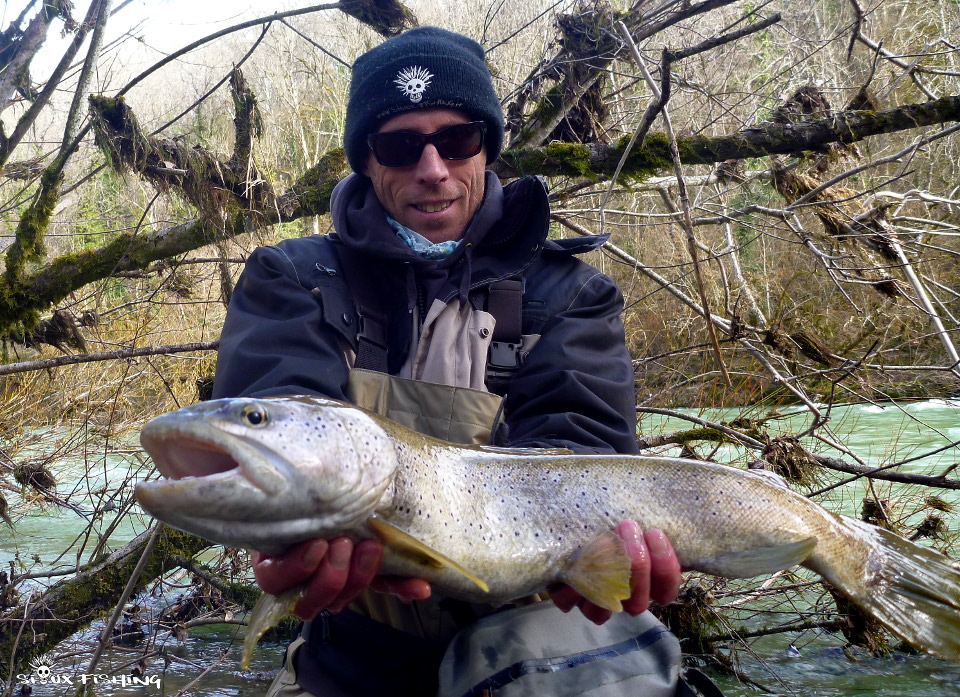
459 142
398 148
404 148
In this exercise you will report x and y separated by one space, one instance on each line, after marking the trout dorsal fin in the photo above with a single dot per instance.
600 571
412 548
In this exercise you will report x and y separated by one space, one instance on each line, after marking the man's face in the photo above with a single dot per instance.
433 196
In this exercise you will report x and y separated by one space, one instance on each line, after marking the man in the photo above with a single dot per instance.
414 308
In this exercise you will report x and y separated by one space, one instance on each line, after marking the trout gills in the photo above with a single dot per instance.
494 524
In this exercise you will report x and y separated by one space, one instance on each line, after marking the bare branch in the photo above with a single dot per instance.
119 354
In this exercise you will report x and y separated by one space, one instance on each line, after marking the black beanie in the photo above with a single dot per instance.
421 68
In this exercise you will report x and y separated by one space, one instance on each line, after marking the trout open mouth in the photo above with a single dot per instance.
215 484
246 473
193 451
191 457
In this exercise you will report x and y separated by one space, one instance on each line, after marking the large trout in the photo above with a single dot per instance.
490 525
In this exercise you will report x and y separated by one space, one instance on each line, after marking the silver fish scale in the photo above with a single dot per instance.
514 521
318 468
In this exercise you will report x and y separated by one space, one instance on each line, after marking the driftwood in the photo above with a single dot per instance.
42 620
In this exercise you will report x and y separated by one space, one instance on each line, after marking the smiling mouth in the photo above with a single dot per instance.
432 207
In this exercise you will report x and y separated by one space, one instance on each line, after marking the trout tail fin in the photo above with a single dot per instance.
913 590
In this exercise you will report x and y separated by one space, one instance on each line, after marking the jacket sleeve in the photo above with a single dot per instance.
275 339
575 389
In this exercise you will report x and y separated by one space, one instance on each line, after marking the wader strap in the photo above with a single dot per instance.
372 333
372 341
505 304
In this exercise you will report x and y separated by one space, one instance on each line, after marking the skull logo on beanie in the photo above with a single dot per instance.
422 68
414 82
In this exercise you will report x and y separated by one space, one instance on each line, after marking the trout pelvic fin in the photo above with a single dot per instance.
266 614
759 560
412 548
600 571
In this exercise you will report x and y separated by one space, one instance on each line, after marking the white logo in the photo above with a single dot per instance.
413 82
43 674
42 669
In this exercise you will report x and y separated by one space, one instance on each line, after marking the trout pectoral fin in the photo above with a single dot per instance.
412 548
759 560
600 571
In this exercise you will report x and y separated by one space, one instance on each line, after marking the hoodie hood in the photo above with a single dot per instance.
361 221
505 235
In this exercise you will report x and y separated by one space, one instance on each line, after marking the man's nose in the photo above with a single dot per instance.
431 167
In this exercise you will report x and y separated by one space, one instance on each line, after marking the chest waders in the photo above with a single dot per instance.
383 647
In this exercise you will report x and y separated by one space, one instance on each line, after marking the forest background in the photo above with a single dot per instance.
779 180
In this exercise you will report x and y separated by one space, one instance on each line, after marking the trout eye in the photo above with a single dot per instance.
253 415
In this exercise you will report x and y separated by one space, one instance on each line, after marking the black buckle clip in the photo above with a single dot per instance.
504 355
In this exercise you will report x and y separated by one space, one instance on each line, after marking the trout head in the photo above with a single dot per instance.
266 473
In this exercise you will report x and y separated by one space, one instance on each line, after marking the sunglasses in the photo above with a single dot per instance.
404 148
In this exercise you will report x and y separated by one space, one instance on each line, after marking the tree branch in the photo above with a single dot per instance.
47 363
767 138
310 195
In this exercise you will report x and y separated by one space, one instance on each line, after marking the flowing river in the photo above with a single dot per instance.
808 662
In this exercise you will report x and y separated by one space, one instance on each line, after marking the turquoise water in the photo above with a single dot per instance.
878 434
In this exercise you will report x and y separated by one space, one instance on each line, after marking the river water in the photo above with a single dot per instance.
206 662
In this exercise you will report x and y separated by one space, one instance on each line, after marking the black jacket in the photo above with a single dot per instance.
292 314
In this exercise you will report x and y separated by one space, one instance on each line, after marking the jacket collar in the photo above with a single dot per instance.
509 225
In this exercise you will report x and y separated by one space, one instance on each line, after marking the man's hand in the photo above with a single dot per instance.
654 575
334 572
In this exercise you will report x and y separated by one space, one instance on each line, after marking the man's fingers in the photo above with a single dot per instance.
564 597
405 588
363 568
654 567
634 542
594 613
278 573
334 572
665 576
327 583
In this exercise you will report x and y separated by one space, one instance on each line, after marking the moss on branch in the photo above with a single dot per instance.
597 161
386 17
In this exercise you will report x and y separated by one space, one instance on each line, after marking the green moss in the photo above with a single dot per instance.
713 435
314 188
648 158
28 245
573 155
572 159
22 300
